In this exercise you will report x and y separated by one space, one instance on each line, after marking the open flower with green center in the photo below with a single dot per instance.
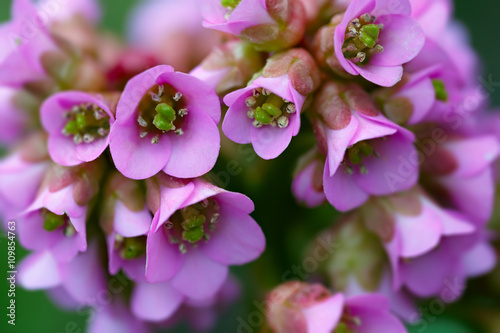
366 154
166 120
78 125
375 38
267 112
198 231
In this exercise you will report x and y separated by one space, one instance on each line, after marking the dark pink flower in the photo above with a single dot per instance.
375 38
366 153
199 230
165 120
116 318
13 119
78 125
267 112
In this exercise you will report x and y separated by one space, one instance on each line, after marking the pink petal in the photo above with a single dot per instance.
199 277
131 224
195 152
155 301
163 260
324 317
136 157
383 76
269 142
39 270
342 191
237 239
338 141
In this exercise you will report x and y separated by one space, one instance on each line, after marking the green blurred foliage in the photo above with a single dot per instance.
288 228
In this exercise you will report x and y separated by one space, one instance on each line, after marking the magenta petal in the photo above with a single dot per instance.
163 260
39 270
84 277
303 189
422 96
131 224
324 317
200 277
236 125
337 142
171 200
198 94
238 239
419 234
269 142
402 39
392 171
474 154
237 201
155 301
479 260
372 318
342 191
383 76
136 157
62 150
373 127
195 152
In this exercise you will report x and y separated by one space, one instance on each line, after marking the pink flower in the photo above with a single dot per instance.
298 307
21 174
13 119
307 185
56 220
82 279
169 29
57 12
375 38
269 25
199 230
23 41
366 153
165 120
78 125
267 112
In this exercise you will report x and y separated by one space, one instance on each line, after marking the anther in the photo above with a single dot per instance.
143 134
155 139
182 248
142 122
214 218
87 138
291 108
250 101
265 92
183 112
283 122
177 96
251 114
102 131
179 131
363 170
77 139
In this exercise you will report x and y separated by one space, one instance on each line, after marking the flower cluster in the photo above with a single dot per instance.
110 149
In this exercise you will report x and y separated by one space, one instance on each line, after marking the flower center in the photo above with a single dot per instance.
230 4
440 89
161 112
53 222
355 155
190 225
86 123
267 108
361 38
130 248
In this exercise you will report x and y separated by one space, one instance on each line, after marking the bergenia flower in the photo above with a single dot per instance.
13 119
298 307
23 43
78 125
229 66
411 225
56 220
307 185
375 38
267 112
169 29
464 176
21 174
82 279
269 25
198 230
166 120
366 153
87 9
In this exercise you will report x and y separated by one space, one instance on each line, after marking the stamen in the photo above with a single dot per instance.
349 170
77 139
363 170
169 225
182 248
102 131
87 138
69 231
179 131
291 108
214 218
173 240
155 139
257 92
361 56
257 124
161 91
283 122
250 101
177 97
143 134
379 48
265 92
142 122
183 112
251 113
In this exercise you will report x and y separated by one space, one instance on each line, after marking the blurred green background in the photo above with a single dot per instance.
35 312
